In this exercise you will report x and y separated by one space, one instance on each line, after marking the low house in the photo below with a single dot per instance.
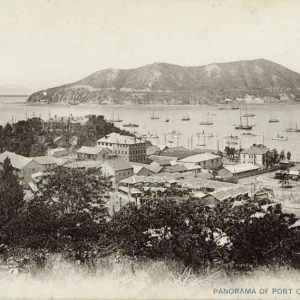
141 170
84 164
242 170
24 167
256 155
205 160
117 168
153 169
95 153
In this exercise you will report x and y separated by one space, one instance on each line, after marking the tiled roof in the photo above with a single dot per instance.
92 150
240 168
199 157
176 168
118 164
84 164
116 138
17 161
45 160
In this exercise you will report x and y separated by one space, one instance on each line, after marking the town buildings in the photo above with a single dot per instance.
256 155
94 153
70 123
24 167
207 161
132 149
118 168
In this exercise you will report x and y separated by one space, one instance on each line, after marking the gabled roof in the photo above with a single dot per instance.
176 168
118 164
200 157
153 167
46 160
240 168
17 161
93 150
84 164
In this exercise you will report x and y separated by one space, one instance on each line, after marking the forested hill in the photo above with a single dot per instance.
162 83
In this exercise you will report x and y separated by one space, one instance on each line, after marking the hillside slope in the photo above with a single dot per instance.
172 84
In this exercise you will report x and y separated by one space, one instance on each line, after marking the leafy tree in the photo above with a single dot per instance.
275 156
282 155
68 209
288 155
11 194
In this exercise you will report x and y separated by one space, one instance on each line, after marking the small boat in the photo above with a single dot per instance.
154 117
113 120
248 134
207 122
174 132
280 138
131 125
167 119
273 120
186 118
231 143
291 129
222 108
234 107
232 137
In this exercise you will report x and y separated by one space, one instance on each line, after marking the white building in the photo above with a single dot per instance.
205 160
256 155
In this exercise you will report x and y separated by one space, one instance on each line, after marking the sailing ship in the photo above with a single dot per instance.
154 117
113 120
251 114
280 138
131 125
203 144
209 135
167 119
242 126
207 122
186 118
273 120
291 129
174 132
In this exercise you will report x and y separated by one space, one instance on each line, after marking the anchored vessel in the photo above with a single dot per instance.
207 122
113 120
186 118
280 138
131 125
154 117
273 120
242 126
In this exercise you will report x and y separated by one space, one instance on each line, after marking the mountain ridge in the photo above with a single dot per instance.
164 83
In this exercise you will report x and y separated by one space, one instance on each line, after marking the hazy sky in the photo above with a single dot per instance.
49 43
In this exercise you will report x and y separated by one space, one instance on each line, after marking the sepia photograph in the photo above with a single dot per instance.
149 149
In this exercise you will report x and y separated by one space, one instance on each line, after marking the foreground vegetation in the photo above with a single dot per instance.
69 215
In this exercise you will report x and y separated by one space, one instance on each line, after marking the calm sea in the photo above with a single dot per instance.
224 121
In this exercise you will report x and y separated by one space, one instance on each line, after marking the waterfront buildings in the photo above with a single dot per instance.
205 160
132 149
256 155
94 153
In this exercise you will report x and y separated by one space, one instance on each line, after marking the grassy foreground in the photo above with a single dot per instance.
126 278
